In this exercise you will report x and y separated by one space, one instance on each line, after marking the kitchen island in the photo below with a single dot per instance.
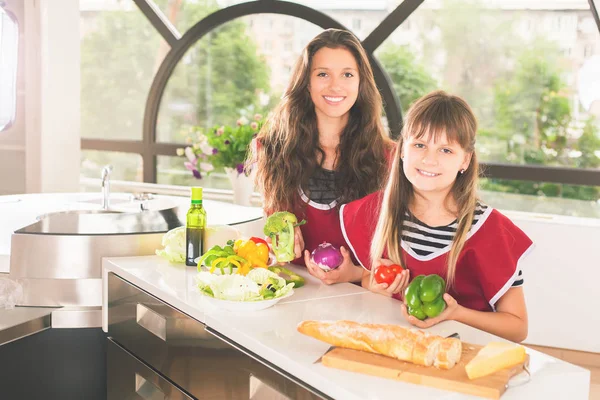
270 335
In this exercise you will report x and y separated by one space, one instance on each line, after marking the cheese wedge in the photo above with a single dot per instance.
494 357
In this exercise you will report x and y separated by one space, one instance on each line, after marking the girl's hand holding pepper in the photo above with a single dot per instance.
449 313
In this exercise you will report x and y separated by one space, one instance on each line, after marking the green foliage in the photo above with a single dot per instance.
223 146
587 143
531 100
476 43
215 81
410 78
221 80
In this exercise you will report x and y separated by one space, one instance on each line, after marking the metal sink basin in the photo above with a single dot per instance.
76 212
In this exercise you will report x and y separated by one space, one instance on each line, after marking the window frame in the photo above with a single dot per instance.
149 148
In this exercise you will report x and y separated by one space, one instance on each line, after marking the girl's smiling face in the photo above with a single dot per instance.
432 166
334 82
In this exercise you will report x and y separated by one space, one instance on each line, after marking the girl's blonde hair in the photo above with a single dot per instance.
436 114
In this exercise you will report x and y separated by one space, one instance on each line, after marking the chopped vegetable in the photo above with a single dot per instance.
174 245
256 254
289 276
259 284
258 240
213 254
280 228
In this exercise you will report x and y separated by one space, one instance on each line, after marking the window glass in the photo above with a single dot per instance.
525 71
359 16
126 166
183 14
120 54
541 197
239 69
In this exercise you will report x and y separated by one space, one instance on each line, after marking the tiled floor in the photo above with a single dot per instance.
590 361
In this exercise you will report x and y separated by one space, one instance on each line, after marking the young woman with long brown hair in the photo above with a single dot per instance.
430 221
324 145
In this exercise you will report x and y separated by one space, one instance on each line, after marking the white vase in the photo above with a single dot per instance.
243 187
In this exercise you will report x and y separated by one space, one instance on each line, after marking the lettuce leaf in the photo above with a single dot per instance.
240 288
261 275
174 245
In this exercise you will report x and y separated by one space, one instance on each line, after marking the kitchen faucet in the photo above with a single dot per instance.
106 186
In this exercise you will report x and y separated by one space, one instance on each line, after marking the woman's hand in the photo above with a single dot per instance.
346 272
298 244
451 308
397 287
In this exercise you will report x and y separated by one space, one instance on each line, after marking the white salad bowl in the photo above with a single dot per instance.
256 305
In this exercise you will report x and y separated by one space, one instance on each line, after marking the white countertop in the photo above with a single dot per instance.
272 334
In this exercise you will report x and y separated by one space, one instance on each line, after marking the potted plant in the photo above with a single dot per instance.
223 147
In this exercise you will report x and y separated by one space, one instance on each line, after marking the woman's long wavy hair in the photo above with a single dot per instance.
434 114
288 150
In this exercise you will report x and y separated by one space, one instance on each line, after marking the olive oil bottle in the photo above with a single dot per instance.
195 225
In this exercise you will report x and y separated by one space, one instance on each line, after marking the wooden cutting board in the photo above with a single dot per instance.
455 379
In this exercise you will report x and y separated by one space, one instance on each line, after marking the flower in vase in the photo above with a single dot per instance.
221 147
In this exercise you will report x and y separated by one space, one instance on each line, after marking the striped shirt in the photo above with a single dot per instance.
425 240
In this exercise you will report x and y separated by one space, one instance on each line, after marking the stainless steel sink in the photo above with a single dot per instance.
76 212
58 259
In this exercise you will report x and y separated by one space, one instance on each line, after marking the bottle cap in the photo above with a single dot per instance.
196 195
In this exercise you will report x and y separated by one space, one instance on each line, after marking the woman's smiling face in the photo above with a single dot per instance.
432 166
334 82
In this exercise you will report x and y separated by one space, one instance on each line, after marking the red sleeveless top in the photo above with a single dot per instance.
485 269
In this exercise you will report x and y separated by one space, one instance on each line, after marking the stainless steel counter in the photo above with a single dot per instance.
24 321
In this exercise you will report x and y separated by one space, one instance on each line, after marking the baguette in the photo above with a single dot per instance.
393 341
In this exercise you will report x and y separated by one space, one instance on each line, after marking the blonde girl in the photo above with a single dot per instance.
430 221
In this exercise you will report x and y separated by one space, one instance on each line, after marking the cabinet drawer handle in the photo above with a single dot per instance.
147 390
151 321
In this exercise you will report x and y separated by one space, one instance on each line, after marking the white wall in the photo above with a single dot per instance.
41 152
562 280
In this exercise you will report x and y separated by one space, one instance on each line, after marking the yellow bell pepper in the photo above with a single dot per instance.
244 269
238 261
256 254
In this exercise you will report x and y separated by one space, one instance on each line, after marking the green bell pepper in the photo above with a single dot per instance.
424 296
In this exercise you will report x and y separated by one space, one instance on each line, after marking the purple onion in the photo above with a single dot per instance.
327 256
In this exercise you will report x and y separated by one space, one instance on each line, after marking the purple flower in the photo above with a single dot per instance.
189 165
215 151
192 167
240 168
227 142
